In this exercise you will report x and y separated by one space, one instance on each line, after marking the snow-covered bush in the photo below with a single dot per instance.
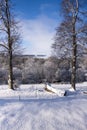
3 76
49 70
32 71
17 75
62 75
80 75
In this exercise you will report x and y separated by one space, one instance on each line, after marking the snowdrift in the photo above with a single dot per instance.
59 92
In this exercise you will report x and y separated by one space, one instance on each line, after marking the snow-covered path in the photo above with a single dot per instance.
58 113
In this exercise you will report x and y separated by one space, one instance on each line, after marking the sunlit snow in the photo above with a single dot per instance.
32 108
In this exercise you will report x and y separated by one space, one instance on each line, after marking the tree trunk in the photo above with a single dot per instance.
10 60
10 80
74 52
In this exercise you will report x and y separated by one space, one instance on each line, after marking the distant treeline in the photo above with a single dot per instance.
29 70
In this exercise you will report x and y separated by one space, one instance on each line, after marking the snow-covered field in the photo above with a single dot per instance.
32 108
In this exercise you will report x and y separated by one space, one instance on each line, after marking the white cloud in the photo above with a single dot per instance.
38 35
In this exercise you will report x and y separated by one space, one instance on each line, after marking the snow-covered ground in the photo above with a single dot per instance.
32 108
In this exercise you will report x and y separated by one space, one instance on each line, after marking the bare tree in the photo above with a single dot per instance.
71 34
9 34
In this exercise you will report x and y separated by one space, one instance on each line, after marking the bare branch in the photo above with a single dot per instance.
4 46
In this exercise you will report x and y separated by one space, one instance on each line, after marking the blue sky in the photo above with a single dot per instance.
38 19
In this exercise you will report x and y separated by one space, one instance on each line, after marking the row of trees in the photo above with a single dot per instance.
41 70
